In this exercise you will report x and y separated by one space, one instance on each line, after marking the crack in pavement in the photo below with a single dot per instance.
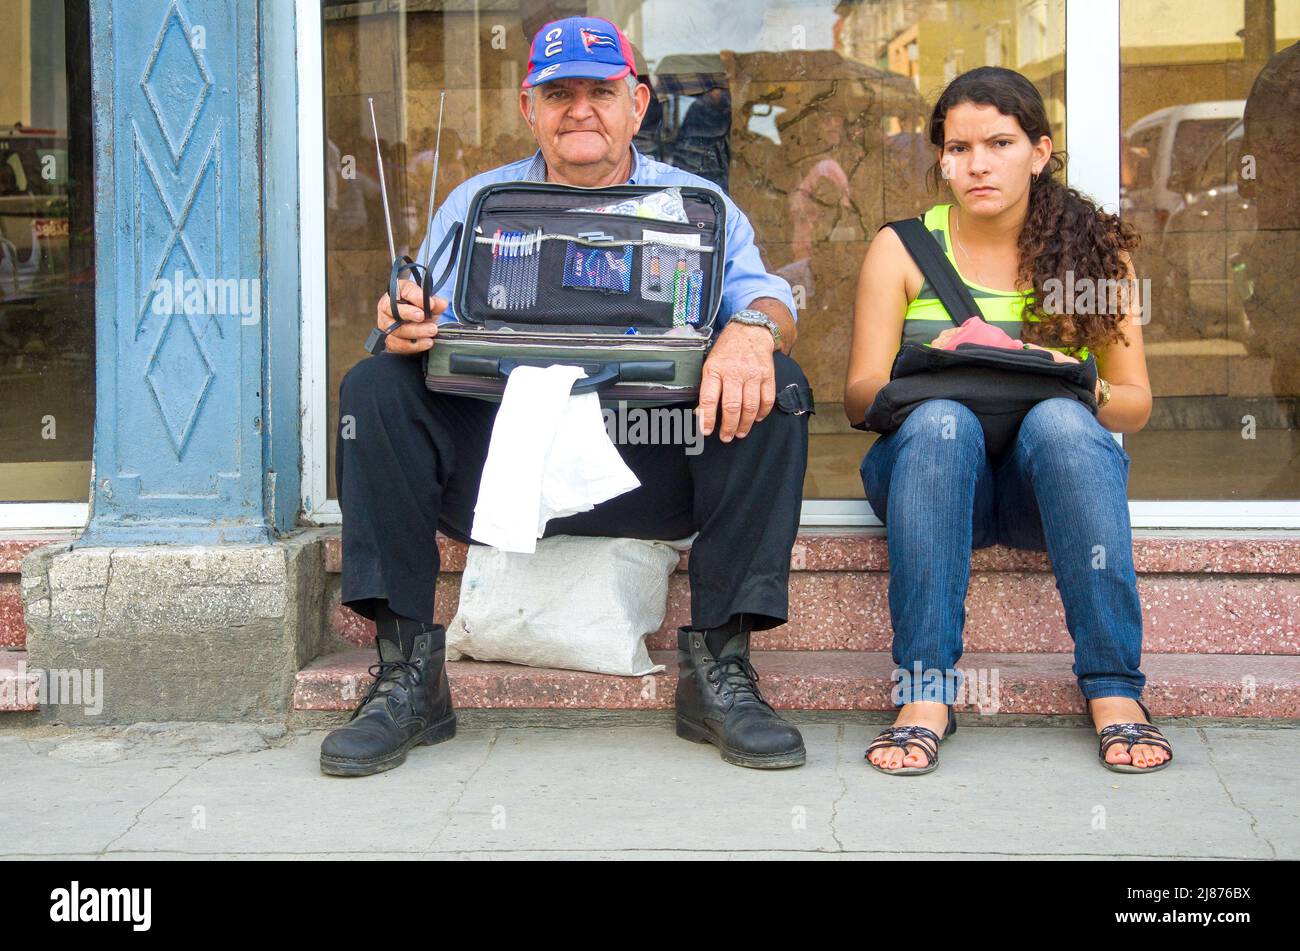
496 733
135 821
1254 823
844 788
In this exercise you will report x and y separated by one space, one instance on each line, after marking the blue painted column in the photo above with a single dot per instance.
196 429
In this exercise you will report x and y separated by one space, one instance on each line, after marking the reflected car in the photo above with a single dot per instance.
1163 152
1212 224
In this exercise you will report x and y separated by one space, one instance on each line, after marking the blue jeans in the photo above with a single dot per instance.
1062 486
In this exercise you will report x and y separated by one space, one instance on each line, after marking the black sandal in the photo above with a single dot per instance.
921 737
1133 734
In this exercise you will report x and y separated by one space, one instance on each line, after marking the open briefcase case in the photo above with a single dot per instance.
624 281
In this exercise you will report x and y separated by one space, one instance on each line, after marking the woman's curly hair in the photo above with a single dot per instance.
1064 230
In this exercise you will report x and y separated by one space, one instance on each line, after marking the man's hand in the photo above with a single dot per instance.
740 374
415 336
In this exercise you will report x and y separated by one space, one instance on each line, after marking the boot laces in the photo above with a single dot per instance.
737 675
388 672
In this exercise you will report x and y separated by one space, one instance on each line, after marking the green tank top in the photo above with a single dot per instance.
926 318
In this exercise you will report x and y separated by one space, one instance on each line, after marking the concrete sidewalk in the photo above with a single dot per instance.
636 791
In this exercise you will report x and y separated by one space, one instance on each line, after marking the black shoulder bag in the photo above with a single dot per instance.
999 386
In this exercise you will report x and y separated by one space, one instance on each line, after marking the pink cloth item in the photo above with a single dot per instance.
975 330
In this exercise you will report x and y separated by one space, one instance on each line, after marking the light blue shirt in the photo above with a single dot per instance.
744 278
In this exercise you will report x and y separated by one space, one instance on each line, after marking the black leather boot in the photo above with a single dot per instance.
409 704
718 702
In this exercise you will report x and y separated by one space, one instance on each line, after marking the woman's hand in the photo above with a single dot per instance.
1057 355
943 338
941 341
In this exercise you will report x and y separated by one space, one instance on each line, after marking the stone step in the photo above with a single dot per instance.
1199 596
1227 592
13 632
1185 685
17 686
1005 612
1154 552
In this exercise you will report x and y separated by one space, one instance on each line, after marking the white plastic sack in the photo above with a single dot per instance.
577 603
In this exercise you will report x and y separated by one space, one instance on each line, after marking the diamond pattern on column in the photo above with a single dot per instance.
185 85
179 376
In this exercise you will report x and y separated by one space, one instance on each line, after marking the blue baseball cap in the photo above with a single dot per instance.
579 48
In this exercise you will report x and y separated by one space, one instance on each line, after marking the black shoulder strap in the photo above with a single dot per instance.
934 264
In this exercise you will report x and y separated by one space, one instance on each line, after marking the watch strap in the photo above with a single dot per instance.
756 318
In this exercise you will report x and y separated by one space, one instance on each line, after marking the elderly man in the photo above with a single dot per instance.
412 460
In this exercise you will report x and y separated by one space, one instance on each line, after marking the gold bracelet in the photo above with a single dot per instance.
1105 392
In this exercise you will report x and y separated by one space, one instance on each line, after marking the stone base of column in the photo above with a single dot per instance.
156 632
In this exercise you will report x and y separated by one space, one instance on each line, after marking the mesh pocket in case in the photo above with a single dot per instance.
608 270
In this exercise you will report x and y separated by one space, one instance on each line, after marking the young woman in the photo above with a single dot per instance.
1012 231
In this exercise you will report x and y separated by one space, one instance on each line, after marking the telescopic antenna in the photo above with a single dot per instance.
383 187
437 149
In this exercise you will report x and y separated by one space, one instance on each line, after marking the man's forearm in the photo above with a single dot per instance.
784 319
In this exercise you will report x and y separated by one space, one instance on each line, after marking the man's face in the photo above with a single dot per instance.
582 122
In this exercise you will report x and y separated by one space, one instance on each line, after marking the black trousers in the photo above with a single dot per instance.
408 463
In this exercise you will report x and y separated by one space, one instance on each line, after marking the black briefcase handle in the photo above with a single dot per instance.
600 376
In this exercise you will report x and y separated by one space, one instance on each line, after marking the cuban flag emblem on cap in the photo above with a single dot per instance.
592 38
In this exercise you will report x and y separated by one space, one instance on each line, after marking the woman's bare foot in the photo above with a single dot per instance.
926 713
1108 710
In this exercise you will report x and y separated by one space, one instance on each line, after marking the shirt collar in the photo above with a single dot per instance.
537 168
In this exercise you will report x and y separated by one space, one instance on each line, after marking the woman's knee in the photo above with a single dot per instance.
943 423
1067 423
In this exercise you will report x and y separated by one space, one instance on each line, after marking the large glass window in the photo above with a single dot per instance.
1210 113
811 113
47 274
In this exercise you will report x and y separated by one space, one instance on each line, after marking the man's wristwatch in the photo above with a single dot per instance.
756 318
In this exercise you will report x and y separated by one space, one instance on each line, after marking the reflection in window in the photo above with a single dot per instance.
811 114
47 327
1207 176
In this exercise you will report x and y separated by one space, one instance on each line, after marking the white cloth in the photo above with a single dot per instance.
550 456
